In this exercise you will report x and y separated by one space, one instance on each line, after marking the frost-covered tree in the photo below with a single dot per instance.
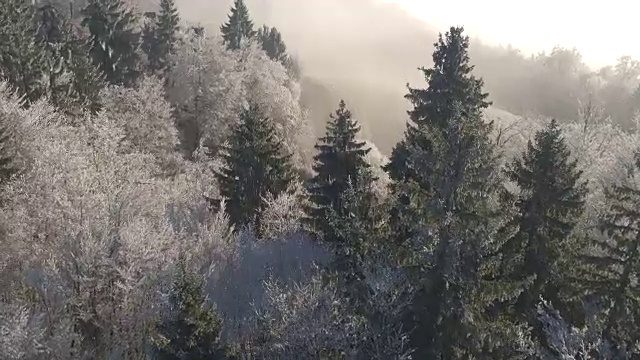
340 158
192 328
284 212
208 86
86 232
610 266
255 164
113 39
145 116
310 321
239 27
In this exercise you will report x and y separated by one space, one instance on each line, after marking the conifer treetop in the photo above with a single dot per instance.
239 27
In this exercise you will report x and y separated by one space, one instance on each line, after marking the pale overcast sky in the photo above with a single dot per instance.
602 30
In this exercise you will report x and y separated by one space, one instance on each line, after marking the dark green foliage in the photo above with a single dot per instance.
49 24
192 330
167 27
548 207
113 40
254 165
150 44
87 81
357 228
74 83
159 36
613 264
444 173
7 166
340 158
452 91
239 27
272 44
22 56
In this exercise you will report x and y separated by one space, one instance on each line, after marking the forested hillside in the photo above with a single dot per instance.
164 194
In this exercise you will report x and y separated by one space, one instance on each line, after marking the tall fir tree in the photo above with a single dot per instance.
113 40
74 83
159 36
254 165
358 227
239 27
150 44
192 329
271 42
23 58
452 90
548 206
444 176
7 167
610 269
340 158
168 26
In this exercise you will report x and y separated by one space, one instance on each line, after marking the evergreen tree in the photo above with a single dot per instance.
167 28
340 157
74 83
548 206
272 44
7 166
357 227
610 269
444 176
239 27
87 81
452 89
113 40
150 44
159 36
192 330
22 56
255 166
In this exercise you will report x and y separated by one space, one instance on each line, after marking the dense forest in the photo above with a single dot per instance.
165 194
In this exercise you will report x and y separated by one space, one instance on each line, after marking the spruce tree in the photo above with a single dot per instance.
272 44
113 40
239 27
74 83
7 167
340 158
254 165
548 206
22 56
159 36
444 176
150 44
452 89
192 329
167 28
610 269
357 228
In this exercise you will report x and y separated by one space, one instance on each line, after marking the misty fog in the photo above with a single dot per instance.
366 52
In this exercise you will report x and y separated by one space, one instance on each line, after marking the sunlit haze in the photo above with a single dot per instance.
602 31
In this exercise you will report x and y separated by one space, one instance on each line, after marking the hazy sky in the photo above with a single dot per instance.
602 30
